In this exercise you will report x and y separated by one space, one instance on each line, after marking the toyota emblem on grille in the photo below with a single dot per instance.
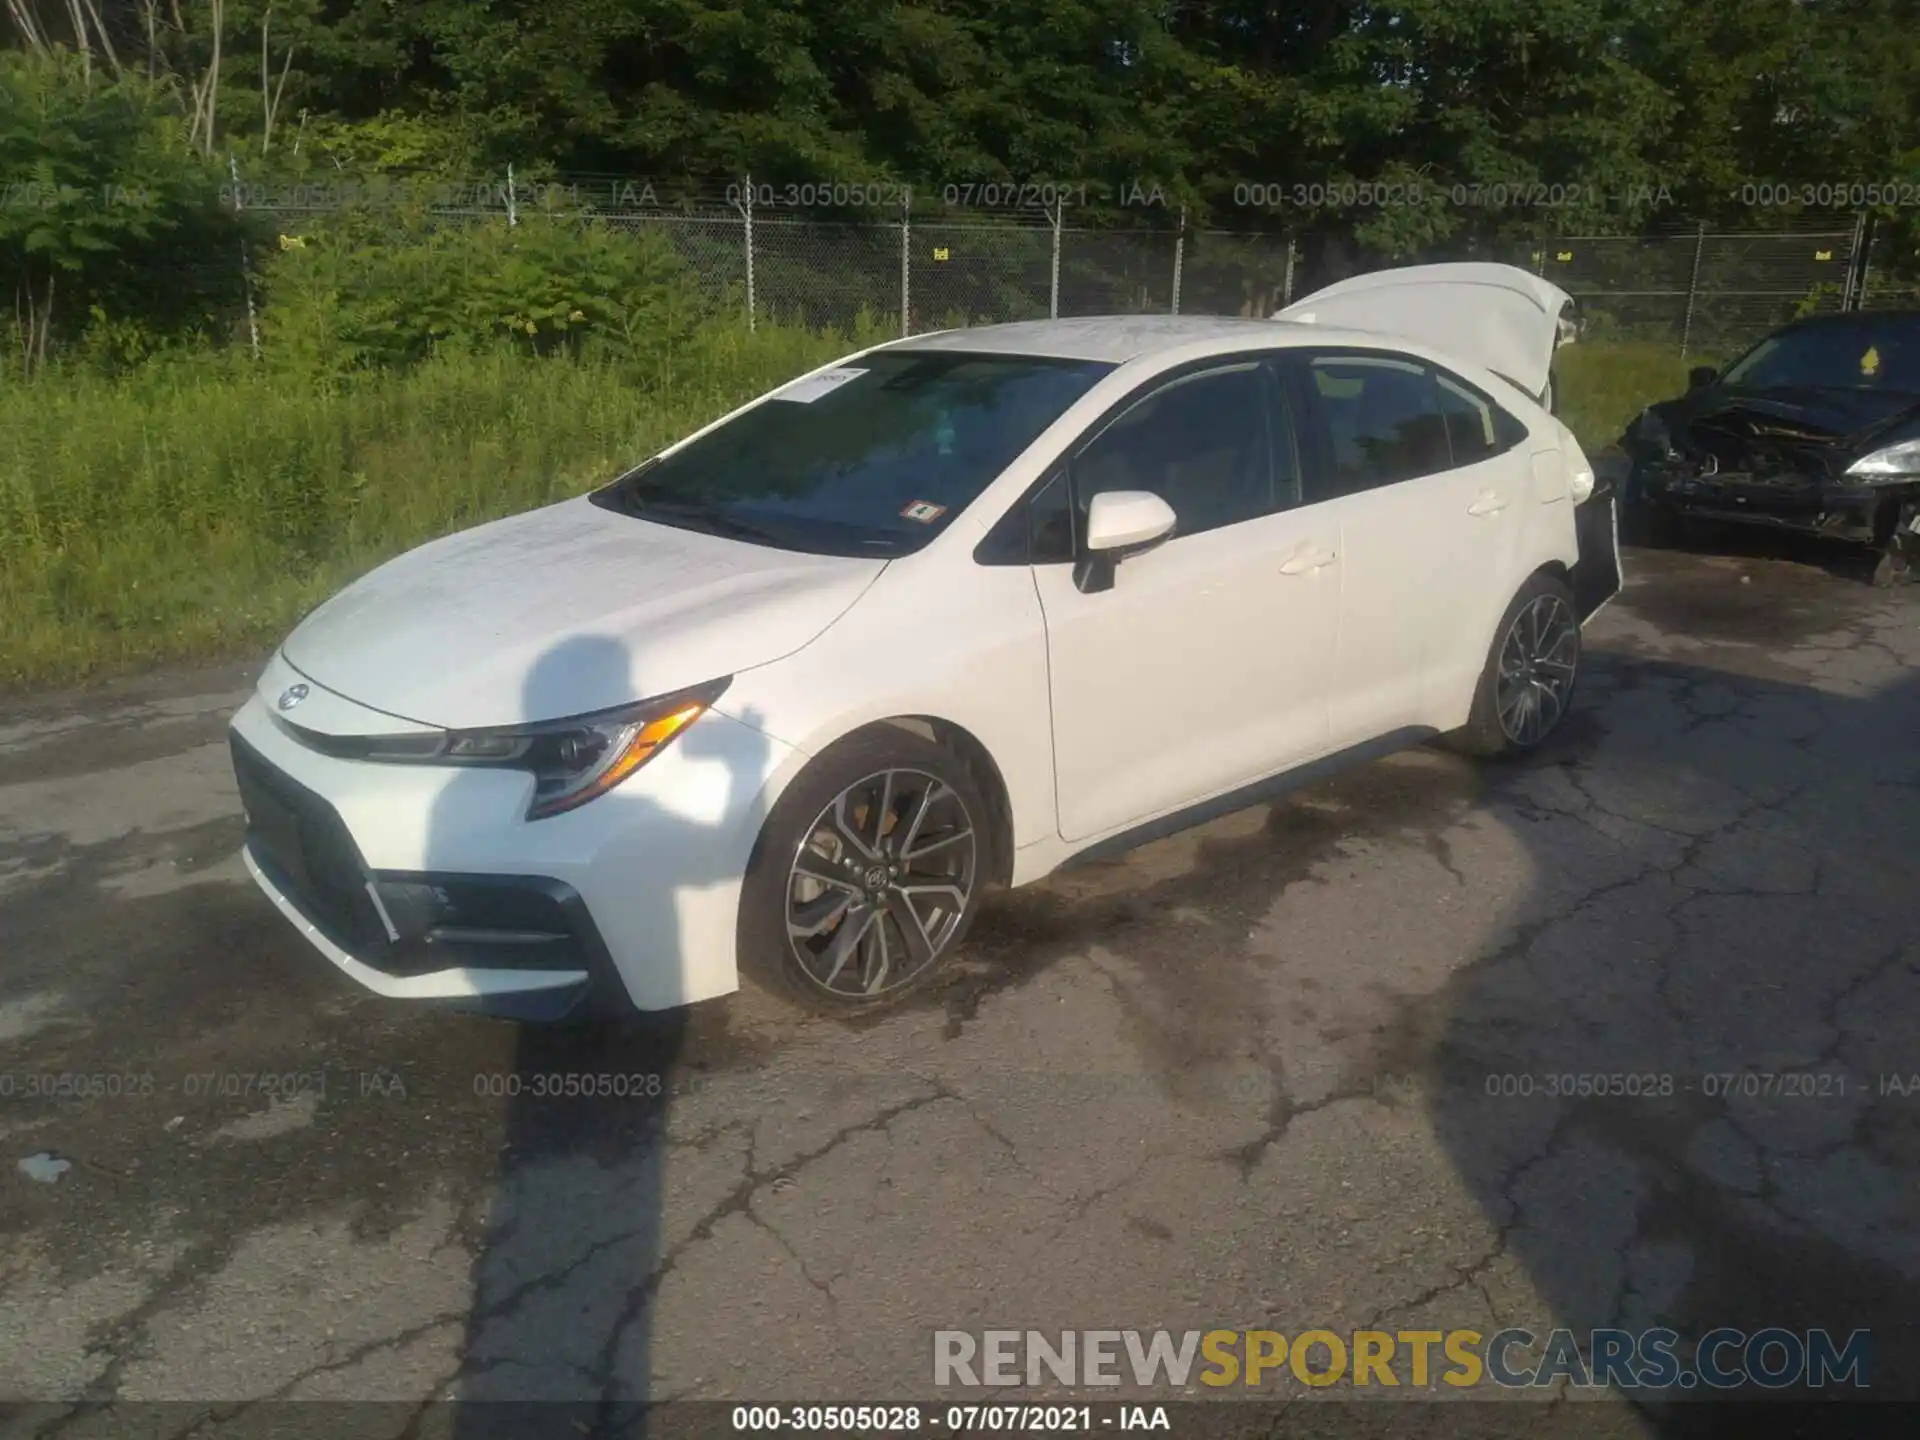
292 696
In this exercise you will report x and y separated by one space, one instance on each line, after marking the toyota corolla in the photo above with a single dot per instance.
790 696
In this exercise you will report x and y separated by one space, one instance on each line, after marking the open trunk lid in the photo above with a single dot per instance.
1499 317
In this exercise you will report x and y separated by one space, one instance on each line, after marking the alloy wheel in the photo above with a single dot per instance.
880 883
1537 661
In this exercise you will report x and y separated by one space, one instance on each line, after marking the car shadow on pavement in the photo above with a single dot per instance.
1667 1087
1841 560
574 1242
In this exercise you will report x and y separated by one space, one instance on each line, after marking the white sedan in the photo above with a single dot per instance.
791 695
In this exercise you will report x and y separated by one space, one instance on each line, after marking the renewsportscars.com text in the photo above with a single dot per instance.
1655 1359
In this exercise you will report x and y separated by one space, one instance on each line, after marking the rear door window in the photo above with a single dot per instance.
1382 420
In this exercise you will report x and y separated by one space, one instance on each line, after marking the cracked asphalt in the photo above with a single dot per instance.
1289 1070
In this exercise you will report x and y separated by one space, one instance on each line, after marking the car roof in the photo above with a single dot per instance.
1120 338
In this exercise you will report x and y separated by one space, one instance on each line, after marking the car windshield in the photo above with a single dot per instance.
873 458
1875 353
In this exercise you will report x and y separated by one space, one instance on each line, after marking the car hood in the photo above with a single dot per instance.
1847 418
562 611
1499 317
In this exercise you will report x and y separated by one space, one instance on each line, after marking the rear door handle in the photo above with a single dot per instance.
1308 559
1488 504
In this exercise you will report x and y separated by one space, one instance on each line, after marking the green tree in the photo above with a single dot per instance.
106 215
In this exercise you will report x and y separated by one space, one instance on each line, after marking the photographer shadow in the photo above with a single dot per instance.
573 1239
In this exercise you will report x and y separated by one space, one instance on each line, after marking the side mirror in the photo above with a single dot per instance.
1126 521
1120 523
1701 375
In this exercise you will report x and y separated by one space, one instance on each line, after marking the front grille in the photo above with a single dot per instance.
303 840
440 920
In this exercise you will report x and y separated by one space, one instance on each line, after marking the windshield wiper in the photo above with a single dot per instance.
694 515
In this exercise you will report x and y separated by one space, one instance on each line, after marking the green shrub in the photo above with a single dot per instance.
362 292
111 227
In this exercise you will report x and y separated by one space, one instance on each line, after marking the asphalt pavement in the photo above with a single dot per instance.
1293 1069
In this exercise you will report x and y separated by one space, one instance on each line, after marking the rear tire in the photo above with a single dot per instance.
867 874
1526 687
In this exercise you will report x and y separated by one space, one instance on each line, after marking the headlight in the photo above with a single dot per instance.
571 760
1902 460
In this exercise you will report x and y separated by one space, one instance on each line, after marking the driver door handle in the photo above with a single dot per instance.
1488 504
1308 559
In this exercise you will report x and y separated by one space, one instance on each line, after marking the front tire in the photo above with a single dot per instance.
1527 686
867 874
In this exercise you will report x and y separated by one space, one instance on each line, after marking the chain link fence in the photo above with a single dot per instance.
1890 276
1705 291
918 266
955 273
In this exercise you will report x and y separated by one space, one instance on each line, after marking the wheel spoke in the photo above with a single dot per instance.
822 871
874 975
953 892
920 946
933 791
882 813
843 825
1512 697
813 916
1549 697
933 847
846 940
1523 715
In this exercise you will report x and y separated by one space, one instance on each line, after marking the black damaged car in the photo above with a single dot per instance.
1815 429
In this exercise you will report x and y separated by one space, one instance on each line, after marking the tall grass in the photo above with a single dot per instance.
201 505
1604 384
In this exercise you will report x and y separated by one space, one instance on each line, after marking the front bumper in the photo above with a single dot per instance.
1597 577
522 946
428 884
1815 504
511 994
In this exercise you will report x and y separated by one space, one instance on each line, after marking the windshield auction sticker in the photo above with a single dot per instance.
925 511
810 389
